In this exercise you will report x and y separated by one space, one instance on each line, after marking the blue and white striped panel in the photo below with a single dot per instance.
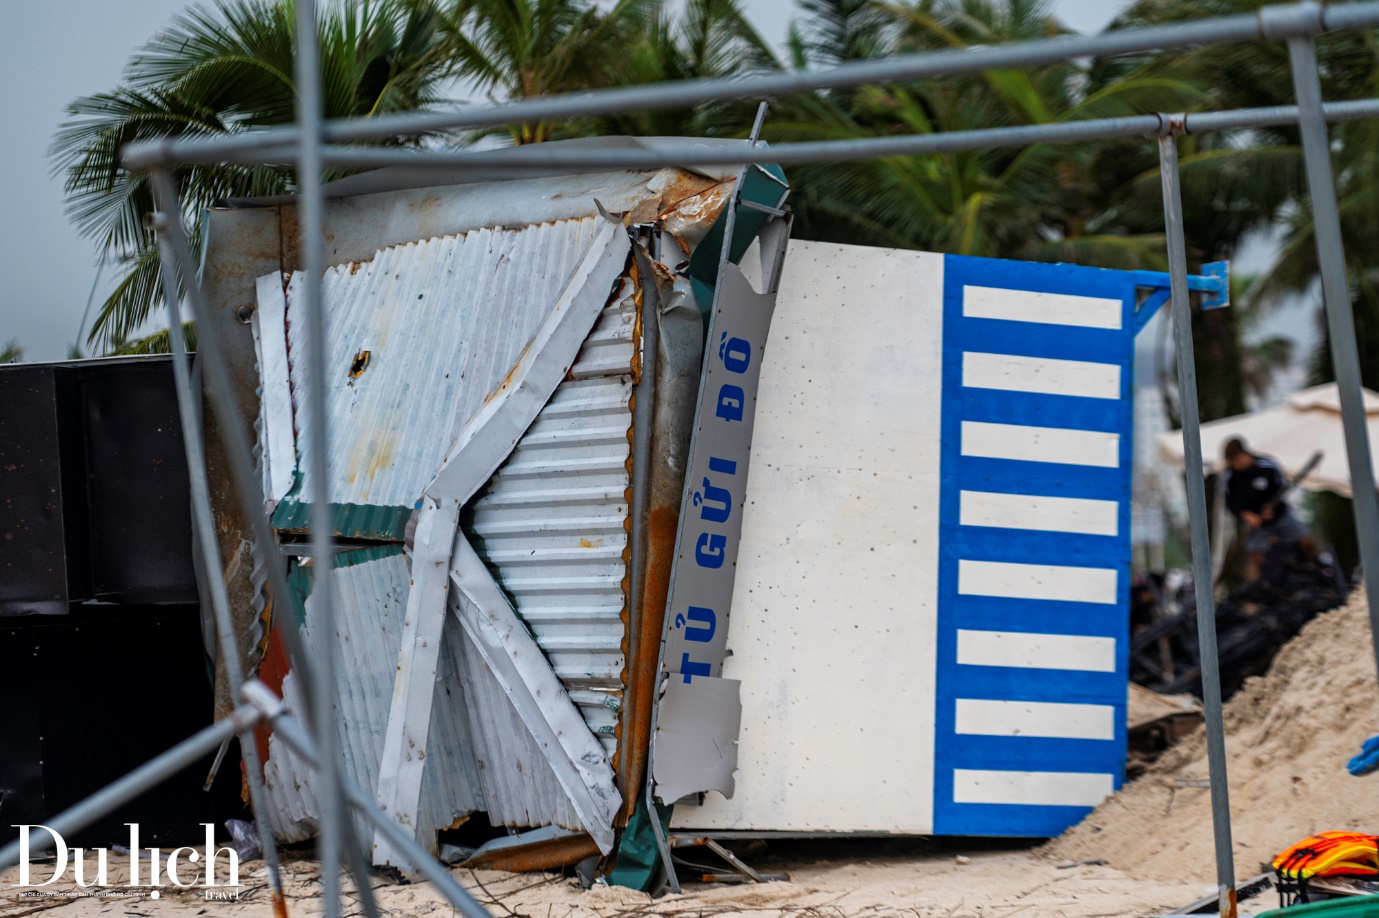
1034 545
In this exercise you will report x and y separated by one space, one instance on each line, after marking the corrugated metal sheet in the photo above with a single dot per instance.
552 522
518 784
371 593
417 338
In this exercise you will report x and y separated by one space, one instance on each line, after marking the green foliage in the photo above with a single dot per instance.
220 70
11 352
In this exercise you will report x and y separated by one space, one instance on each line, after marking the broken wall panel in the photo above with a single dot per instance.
370 594
553 522
932 584
417 340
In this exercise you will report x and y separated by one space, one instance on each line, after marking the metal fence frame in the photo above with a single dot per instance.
314 144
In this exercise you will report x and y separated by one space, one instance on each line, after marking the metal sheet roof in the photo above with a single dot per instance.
371 593
552 521
417 338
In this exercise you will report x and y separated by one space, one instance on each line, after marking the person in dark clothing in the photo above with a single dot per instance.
1254 489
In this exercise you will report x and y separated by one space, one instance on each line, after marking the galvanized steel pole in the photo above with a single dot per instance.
146 777
322 625
238 453
187 403
1281 21
271 707
1340 319
1197 517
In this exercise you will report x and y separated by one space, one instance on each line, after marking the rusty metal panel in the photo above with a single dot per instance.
371 593
417 339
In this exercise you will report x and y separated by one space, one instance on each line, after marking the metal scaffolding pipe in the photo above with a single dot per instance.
1303 19
188 400
146 777
309 115
1340 318
292 733
545 158
1197 518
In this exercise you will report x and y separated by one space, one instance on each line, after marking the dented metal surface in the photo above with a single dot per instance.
444 320
423 278
370 592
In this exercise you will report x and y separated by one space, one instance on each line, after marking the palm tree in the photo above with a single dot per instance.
708 38
220 70
1042 202
521 49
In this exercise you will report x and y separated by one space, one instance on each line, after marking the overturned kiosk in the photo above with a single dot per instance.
651 522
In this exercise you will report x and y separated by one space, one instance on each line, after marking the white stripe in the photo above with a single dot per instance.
1043 308
1037 581
1034 511
1041 444
1044 375
980 717
1037 651
1038 788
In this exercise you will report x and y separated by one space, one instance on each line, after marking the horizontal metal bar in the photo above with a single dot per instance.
544 158
302 743
1281 22
147 776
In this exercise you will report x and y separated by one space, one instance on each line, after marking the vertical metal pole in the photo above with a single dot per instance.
1340 318
206 542
309 215
1197 515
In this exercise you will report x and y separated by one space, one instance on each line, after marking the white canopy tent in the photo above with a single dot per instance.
1291 433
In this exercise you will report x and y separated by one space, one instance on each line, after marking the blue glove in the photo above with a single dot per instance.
1368 759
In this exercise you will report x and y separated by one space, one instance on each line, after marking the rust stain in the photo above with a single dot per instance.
589 543
359 364
662 526
688 220
554 854
512 374
279 904
369 457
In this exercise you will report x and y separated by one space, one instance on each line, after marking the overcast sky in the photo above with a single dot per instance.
55 50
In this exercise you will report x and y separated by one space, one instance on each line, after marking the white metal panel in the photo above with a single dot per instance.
1075 652
519 787
552 523
485 442
821 586
1039 788
1043 375
1038 512
447 317
580 764
370 596
1041 308
1041 444
990 717
1056 582
277 453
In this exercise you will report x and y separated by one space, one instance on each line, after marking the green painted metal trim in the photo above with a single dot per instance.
352 521
763 185
300 580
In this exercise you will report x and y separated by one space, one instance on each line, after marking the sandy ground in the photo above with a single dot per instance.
1289 735
1146 851
828 879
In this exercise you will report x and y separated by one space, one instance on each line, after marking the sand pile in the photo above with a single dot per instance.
1289 735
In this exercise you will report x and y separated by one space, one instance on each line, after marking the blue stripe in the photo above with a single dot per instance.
956 542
